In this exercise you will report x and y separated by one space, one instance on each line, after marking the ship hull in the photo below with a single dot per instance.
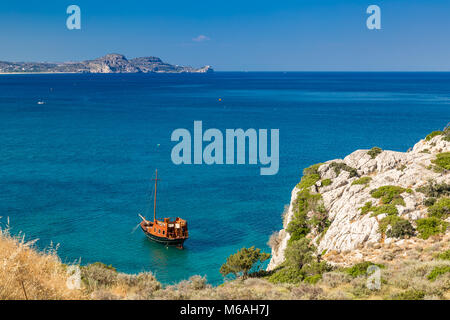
165 241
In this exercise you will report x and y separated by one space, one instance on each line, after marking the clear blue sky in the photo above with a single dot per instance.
234 34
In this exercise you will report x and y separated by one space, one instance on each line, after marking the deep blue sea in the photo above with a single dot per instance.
77 170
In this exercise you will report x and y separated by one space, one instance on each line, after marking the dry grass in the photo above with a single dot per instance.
26 273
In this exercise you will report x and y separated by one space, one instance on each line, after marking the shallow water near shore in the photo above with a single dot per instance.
77 170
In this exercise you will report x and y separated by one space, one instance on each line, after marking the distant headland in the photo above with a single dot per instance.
110 63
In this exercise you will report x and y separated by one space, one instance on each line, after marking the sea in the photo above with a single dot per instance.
78 153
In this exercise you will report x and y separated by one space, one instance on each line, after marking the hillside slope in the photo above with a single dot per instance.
369 199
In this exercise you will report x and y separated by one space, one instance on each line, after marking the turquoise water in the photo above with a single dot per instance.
76 170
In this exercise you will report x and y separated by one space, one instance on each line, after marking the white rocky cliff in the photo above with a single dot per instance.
349 228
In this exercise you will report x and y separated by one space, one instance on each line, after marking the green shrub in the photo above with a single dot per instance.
433 134
367 207
400 227
429 201
363 180
319 221
326 182
314 267
298 228
102 265
240 263
339 166
306 201
387 221
437 271
374 152
388 209
447 133
314 169
435 190
444 255
398 201
410 295
298 253
287 275
440 209
308 181
430 226
310 176
300 264
313 279
360 269
442 160
389 194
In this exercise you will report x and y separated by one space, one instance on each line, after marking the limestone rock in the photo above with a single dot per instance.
350 229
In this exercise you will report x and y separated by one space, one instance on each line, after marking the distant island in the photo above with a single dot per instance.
110 63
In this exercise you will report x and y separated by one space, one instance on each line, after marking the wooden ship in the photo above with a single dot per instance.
167 231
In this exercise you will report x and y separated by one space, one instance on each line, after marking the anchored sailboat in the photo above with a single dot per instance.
166 231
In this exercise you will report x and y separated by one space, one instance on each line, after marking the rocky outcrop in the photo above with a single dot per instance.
111 63
349 228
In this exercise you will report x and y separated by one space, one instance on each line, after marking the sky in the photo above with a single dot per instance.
235 35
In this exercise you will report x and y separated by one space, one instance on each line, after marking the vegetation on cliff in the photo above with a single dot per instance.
26 273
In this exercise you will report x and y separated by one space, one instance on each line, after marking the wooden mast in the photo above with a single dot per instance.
154 204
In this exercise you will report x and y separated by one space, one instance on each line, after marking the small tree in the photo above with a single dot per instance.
240 263
299 253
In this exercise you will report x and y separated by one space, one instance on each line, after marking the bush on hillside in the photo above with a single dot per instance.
363 180
389 194
374 152
428 227
339 166
360 269
400 228
433 134
440 209
444 255
442 160
388 209
299 253
438 271
246 259
435 190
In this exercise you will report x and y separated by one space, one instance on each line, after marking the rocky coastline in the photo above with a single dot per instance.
110 63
